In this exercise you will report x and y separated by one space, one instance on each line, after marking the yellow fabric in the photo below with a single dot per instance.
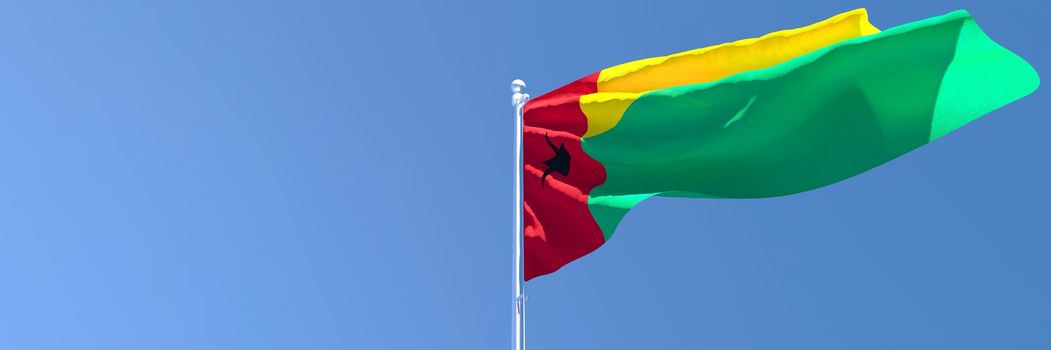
716 62
620 85
605 109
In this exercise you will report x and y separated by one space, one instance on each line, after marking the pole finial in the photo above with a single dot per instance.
520 97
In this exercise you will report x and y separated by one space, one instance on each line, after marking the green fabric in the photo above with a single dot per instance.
971 88
807 123
608 210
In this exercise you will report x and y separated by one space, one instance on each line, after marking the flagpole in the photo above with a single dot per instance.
518 100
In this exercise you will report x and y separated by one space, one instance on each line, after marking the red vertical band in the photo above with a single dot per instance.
559 227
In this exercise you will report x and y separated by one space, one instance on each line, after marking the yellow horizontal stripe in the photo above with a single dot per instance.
618 86
716 62
605 109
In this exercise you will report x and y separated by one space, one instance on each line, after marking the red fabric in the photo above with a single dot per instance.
559 227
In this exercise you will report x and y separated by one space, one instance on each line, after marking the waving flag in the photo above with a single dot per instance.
787 112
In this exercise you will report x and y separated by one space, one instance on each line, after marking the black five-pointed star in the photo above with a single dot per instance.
559 163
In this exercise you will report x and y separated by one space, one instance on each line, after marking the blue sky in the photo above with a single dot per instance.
337 175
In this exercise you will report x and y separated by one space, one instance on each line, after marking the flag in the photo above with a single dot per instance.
784 113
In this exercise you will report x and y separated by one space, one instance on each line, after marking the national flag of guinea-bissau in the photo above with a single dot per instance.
787 112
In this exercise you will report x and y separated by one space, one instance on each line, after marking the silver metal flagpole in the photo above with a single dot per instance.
518 100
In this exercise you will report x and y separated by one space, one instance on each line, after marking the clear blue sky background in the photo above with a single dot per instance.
337 175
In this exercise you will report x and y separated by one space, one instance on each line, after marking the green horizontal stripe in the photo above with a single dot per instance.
807 123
